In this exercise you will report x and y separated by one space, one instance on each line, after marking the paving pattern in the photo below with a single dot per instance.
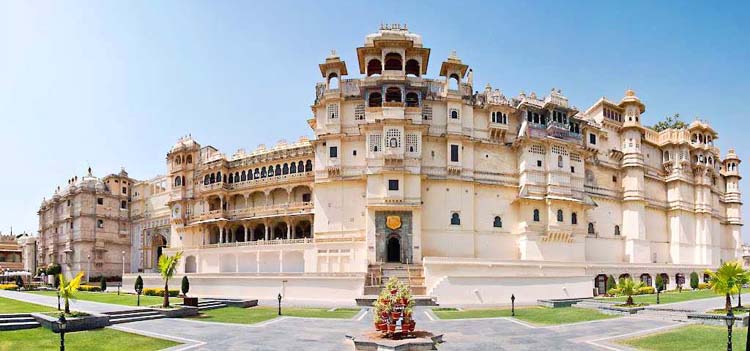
296 334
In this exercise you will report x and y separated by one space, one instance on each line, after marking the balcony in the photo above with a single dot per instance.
256 243
279 179
215 186
271 210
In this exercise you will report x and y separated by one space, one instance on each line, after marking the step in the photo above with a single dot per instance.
13 315
422 300
16 320
121 320
117 313
18 325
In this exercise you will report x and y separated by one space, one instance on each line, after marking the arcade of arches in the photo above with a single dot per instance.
671 281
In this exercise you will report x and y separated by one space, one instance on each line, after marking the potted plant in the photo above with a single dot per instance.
379 324
185 287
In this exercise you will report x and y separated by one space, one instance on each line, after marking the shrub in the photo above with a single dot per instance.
659 283
613 292
53 269
694 280
611 282
185 285
159 292
103 284
702 286
89 288
138 286
8 287
19 280
646 290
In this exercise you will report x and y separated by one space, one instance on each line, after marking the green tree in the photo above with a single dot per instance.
68 289
672 122
629 287
659 283
102 283
19 281
694 280
167 267
185 286
611 282
742 279
138 287
725 281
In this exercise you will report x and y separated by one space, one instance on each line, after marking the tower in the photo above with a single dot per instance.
637 248
731 173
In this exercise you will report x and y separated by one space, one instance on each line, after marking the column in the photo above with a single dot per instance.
257 261
281 261
245 227
268 236
288 230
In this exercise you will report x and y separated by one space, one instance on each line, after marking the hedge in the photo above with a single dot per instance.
159 292
8 287
89 288
646 290
702 286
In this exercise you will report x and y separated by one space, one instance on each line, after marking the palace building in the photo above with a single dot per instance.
467 194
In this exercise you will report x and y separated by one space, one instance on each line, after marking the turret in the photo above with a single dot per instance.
731 173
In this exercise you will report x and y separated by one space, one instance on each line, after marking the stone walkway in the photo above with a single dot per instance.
295 334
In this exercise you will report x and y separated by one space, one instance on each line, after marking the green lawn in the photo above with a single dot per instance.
113 298
100 339
15 306
667 297
536 315
259 314
691 337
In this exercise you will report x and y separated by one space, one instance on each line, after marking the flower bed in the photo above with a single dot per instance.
8 287
159 292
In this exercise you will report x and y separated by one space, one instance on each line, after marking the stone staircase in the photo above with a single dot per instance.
16 321
210 304
119 317
592 303
409 274
665 314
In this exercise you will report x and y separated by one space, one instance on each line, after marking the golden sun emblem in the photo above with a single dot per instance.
393 222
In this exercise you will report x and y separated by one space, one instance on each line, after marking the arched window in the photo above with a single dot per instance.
213 178
560 215
393 62
333 81
308 166
206 180
574 218
559 161
374 67
182 179
617 230
270 171
231 178
455 219
277 171
300 167
497 222
263 172
256 174
666 156
591 229
293 168
412 99
190 159
177 160
285 169
412 68
177 181
393 94
375 100
249 174
453 82
454 114
536 215
243 176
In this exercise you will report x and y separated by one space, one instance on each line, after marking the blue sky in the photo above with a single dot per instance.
115 83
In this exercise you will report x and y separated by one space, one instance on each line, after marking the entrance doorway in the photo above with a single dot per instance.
600 283
394 249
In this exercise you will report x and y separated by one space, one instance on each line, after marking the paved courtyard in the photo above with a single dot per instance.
291 333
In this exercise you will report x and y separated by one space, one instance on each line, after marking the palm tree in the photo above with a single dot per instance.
68 289
725 281
167 267
628 287
742 279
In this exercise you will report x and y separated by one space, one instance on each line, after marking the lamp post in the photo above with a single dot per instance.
730 323
279 304
657 295
88 268
122 277
747 337
63 324
58 300
512 305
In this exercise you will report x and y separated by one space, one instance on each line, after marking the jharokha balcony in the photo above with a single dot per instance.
283 209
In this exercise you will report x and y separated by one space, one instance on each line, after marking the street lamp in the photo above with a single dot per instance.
279 304
512 305
730 323
88 268
58 299
657 295
62 326
122 277
747 336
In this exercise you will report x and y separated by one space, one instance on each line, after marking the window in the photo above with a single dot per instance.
393 136
499 117
538 163
393 184
177 181
559 161
123 204
592 138
375 100
560 215
617 230
71 225
454 153
574 218
454 113
426 112
68 202
100 201
455 219
359 112
374 143
572 169
333 152
536 215
124 190
354 152
333 111
306 197
591 229
412 143
497 222
412 99
99 223
393 94
614 179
